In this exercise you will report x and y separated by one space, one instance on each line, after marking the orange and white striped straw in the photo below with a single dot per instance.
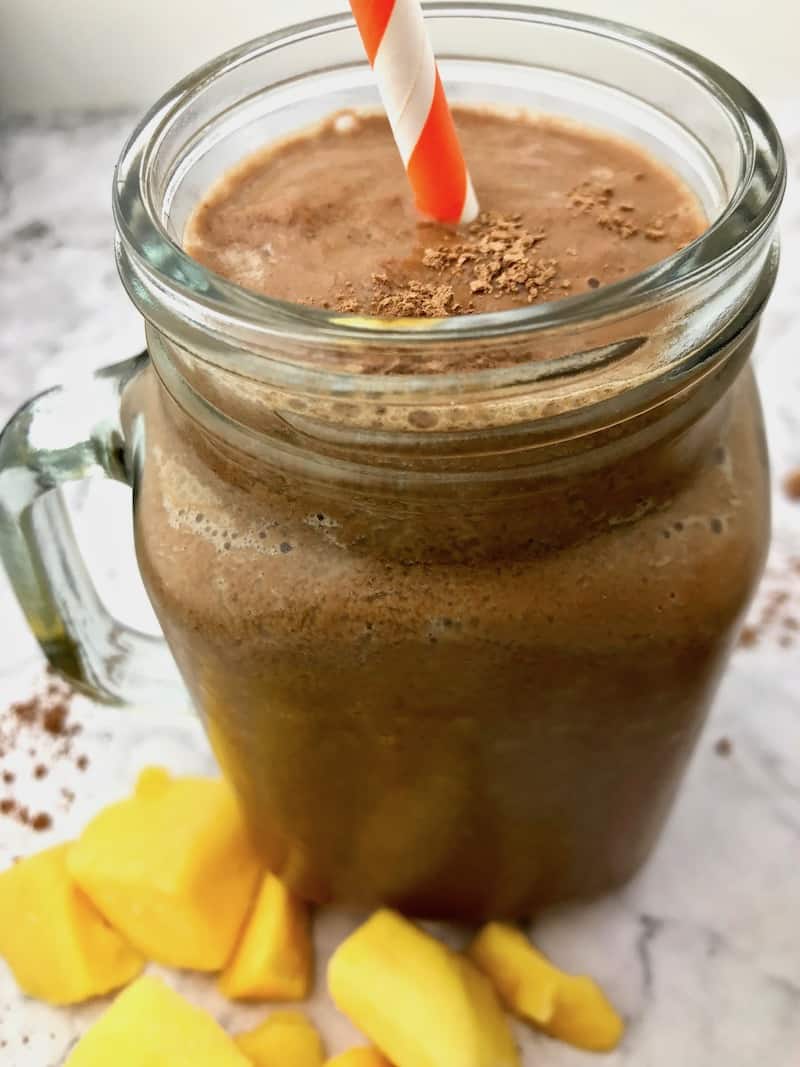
400 52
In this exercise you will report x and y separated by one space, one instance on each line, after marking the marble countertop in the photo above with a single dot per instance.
702 951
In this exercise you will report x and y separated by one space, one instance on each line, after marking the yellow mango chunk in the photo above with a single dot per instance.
422 1004
359 1057
274 958
584 1017
150 1025
572 1009
526 981
59 948
285 1039
172 869
152 780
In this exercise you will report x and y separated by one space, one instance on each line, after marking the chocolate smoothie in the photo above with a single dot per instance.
462 677
329 221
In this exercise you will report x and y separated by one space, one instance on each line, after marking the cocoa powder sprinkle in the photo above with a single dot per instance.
498 255
623 219
495 255
588 196
618 222
411 299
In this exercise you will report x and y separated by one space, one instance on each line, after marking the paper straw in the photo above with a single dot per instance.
400 52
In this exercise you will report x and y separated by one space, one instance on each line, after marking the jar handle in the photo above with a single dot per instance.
69 434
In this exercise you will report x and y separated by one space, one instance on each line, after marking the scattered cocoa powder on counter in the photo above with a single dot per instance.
25 710
21 813
777 612
775 601
748 637
724 747
46 712
54 720
38 728
791 485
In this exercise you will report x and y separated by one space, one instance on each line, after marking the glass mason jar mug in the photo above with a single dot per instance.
452 630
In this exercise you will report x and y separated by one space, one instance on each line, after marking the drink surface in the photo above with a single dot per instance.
326 218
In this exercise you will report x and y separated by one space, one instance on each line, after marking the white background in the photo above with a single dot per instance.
109 53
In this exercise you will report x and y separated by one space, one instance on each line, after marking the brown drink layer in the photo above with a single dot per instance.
328 220
460 696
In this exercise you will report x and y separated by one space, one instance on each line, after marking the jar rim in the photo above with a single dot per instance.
163 271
